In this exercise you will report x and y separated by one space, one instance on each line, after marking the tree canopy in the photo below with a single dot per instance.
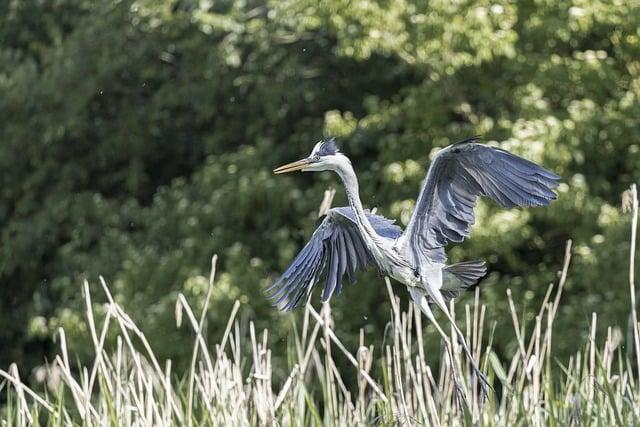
137 139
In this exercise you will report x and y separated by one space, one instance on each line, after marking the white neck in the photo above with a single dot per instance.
350 180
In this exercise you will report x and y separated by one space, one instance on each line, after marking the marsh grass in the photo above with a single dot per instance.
394 385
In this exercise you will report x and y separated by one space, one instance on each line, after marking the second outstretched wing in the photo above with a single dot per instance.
337 247
460 174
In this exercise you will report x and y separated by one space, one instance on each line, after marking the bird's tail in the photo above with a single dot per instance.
468 272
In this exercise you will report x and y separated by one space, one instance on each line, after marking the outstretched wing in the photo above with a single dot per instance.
337 247
458 175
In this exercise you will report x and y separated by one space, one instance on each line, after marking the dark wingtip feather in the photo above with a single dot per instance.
551 175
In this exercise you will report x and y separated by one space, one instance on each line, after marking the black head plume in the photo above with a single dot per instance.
328 147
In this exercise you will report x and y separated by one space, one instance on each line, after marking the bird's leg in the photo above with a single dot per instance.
419 299
436 296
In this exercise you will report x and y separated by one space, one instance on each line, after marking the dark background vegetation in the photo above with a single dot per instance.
137 139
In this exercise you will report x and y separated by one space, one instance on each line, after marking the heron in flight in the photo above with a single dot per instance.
351 238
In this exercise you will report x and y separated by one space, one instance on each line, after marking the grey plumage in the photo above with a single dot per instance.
458 175
467 272
337 247
457 278
351 239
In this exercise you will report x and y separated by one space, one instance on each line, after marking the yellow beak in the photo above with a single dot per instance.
291 167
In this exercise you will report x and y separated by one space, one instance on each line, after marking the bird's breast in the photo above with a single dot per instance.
417 275
393 263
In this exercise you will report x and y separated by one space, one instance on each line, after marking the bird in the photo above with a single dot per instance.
351 238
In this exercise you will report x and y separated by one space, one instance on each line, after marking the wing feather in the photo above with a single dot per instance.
332 274
352 262
335 248
342 264
363 257
460 174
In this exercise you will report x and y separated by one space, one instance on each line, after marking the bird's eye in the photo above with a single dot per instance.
316 158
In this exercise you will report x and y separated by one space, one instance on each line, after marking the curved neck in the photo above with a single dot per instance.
348 176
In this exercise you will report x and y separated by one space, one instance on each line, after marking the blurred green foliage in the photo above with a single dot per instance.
137 139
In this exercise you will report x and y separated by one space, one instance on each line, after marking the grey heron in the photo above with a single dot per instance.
351 238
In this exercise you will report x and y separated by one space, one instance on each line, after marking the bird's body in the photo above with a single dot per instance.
350 238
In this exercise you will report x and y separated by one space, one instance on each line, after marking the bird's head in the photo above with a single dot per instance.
324 156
